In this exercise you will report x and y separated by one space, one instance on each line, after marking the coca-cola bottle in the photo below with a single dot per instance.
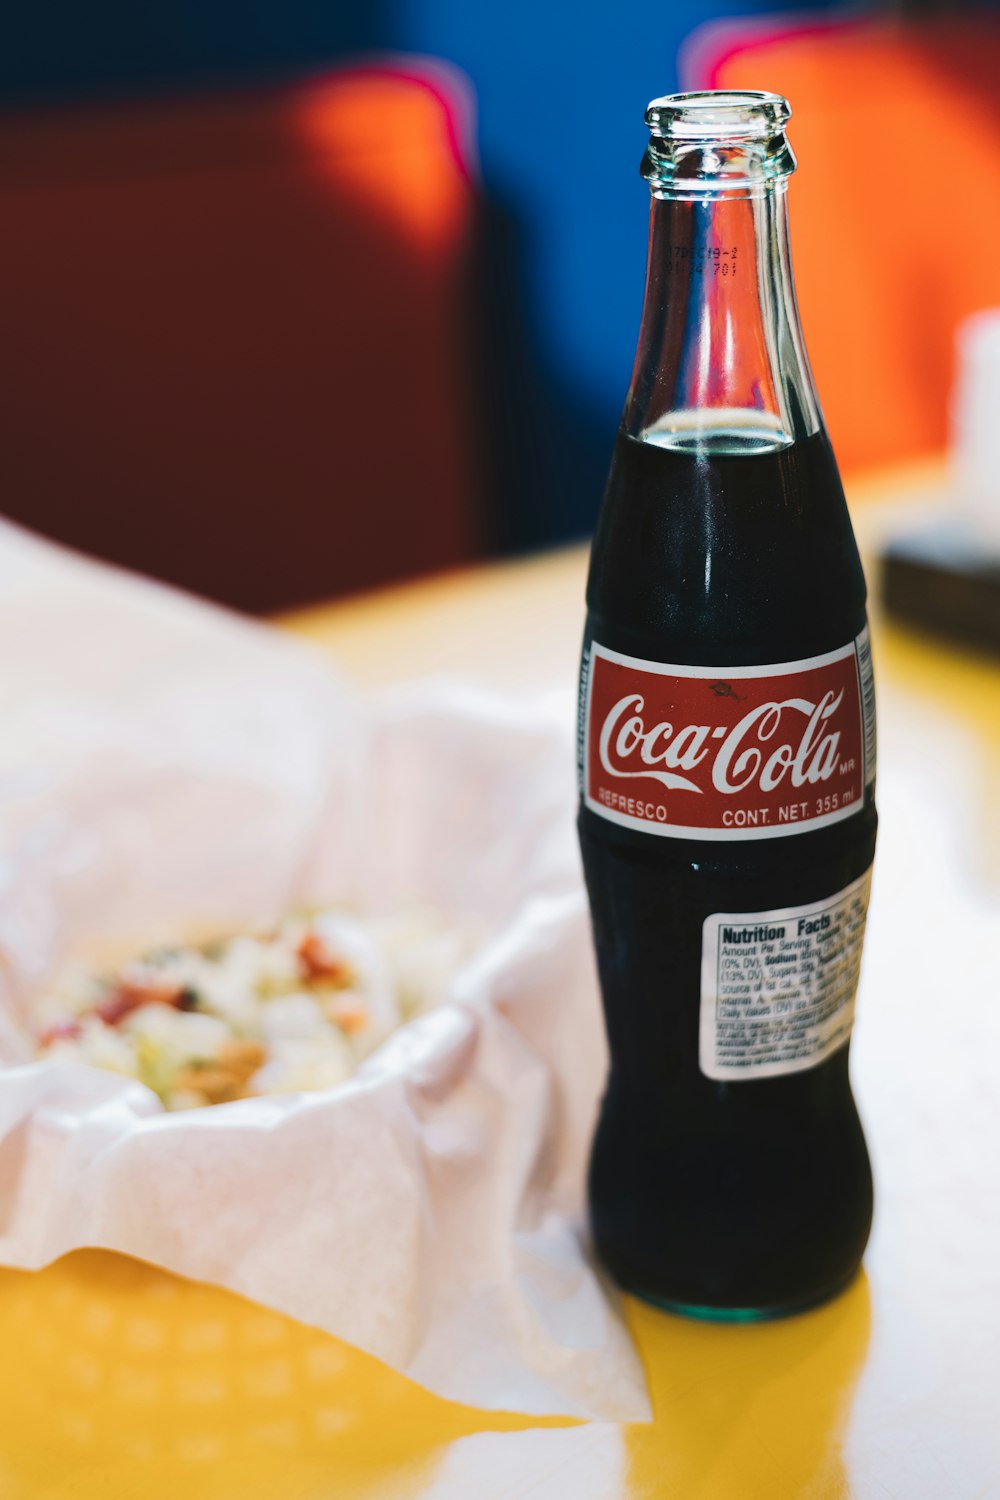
726 759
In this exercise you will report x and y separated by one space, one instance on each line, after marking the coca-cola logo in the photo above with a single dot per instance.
756 751
630 747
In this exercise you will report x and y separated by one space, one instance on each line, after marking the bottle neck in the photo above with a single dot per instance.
721 366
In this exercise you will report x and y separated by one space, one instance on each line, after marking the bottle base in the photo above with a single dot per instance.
707 1313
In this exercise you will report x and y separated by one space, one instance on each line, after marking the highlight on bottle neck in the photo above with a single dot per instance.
721 366
715 142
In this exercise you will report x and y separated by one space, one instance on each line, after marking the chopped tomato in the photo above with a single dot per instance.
128 996
320 962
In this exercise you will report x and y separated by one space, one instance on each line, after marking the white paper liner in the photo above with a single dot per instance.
165 766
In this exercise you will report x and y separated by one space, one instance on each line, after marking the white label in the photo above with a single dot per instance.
778 987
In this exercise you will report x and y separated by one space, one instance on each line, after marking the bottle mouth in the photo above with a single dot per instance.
717 141
717 115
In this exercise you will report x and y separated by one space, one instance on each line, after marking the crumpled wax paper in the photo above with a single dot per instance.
166 767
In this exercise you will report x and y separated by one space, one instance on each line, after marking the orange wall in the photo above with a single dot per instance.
895 212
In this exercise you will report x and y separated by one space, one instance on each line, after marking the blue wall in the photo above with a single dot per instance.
561 90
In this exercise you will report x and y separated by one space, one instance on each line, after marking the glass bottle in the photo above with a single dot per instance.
726 760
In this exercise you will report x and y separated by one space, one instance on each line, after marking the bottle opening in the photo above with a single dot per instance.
714 115
717 141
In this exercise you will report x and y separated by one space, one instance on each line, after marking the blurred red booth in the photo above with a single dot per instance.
236 333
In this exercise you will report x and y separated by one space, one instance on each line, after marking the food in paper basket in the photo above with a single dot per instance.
296 1009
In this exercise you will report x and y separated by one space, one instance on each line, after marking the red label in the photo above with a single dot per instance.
724 753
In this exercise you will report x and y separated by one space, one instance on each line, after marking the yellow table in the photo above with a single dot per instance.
123 1382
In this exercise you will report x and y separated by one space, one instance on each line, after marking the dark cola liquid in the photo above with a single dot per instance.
750 1197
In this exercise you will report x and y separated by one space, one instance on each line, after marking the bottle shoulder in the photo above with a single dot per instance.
751 556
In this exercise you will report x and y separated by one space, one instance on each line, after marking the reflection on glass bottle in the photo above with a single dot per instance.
740 1411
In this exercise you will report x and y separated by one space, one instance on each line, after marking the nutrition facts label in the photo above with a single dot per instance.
777 987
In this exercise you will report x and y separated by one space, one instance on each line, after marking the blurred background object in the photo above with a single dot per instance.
945 575
895 121
975 422
272 333
236 333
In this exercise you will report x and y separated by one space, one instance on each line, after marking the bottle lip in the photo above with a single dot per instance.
718 115
717 141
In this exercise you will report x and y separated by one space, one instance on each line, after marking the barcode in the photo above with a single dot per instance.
867 679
